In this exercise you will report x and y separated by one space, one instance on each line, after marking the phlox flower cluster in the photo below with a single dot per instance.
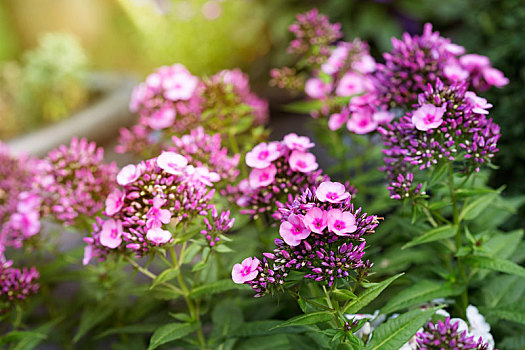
416 61
278 168
74 181
171 101
449 124
19 205
321 236
17 284
204 150
153 196
455 333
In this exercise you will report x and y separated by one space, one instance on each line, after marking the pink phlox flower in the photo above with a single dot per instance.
262 155
316 88
300 143
88 254
179 84
130 173
474 61
361 122
316 219
172 163
162 118
454 49
366 64
303 162
341 223
27 222
428 117
293 230
245 271
351 84
383 117
114 202
494 77
157 216
333 192
454 72
111 234
480 104
28 201
202 174
336 60
262 177
337 120
158 236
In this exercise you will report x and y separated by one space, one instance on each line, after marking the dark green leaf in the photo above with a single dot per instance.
91 317
165 276
506 314
170 332
131 329
474 208
369 295
306 319
495 264
215 287
435 234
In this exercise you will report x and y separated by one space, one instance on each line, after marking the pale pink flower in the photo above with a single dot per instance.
300 143
245 271
27 222
366 64
262 155
293 230
111 234
333 192
383 117
157 216
336 60
480 104
158 236
303 162
341 223
114 202
262 177
351 84
316 220
316 88
88 254
428 117
179 84
28 201
361 122
455 49
202 174
162 118
129 174
474 61
337 120
494 77
172 163
454 72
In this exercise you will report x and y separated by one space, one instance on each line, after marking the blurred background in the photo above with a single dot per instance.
49 50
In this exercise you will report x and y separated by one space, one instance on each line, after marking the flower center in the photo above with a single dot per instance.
263 155
332 195
301 164
338 224
429 118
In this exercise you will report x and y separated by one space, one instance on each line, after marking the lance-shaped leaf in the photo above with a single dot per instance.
435 234
368 295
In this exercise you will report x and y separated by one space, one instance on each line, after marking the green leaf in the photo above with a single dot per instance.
503 245
369 295
343 294
164 292
495 264
435 234
506 314
170 332
397 331
420 293
306 319
215 287
130 329
475 191
164 276
473 209
303 107
227 317
91 317
266 327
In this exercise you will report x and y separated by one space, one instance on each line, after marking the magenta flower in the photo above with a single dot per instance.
158 236
245 271
316 88
336 60
480 104
171 162
351 84
17 284
316 219
303 162
111 234
383 117
162 118
494 77
295 142
341 223
28 223
293 230
262 177
428 117
262 155
454 72
333 192
157 216
337 120
202 174
114 202
129 174
365 64
361 122
474 61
